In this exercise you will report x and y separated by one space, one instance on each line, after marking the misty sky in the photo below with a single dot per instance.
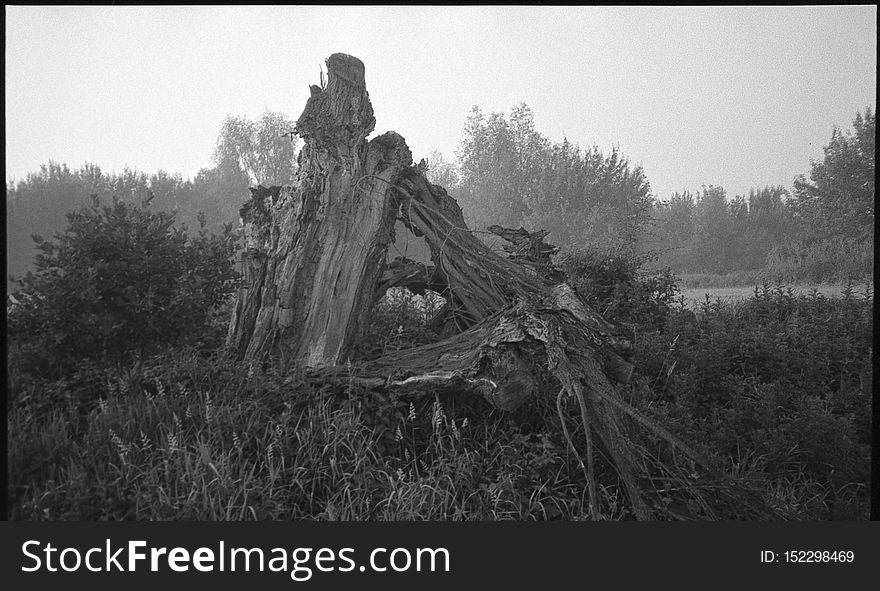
739 97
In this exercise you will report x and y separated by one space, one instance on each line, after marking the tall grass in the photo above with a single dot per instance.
835 260
182 437
715 281
776 389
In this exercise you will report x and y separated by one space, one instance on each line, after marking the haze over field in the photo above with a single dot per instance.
740 97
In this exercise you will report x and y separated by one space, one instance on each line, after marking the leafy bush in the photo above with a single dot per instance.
780 382
120 281
617 287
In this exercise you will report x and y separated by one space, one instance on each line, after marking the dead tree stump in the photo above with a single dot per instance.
315 251
315 262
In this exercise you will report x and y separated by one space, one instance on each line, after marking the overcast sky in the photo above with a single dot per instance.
739 97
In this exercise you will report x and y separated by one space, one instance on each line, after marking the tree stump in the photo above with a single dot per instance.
315 263
315 251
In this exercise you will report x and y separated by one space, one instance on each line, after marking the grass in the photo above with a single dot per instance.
775 388
179 448
834 261
688 281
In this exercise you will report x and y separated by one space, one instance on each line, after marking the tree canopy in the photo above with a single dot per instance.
838 198
512 175
265 149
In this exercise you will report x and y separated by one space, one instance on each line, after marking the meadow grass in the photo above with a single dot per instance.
775 388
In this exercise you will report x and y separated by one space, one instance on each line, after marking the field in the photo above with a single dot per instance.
775 389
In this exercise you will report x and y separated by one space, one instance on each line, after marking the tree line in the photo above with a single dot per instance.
247 152
820 230
506 172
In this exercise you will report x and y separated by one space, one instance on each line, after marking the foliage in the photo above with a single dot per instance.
511 175
265 150
821 232
836 259
671 229
776 390
442 172
770 222
499 158
587 198
119 281
778 386
39 203
616 285
401 320
838 200
714 231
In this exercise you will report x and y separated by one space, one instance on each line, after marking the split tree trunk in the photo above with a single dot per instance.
315 263
316 250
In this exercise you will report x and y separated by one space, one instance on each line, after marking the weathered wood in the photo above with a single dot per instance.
480 281
315 250
525 245
490 356
316 261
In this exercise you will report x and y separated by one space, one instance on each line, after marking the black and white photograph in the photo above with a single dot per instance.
439 263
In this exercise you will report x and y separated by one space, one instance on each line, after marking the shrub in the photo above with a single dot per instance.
400 320
781 379
614 284
120 281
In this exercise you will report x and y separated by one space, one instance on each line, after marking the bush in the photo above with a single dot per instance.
615 285
781 382
119 282
400 320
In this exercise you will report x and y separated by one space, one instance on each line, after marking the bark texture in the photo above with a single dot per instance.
314 251
315 261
